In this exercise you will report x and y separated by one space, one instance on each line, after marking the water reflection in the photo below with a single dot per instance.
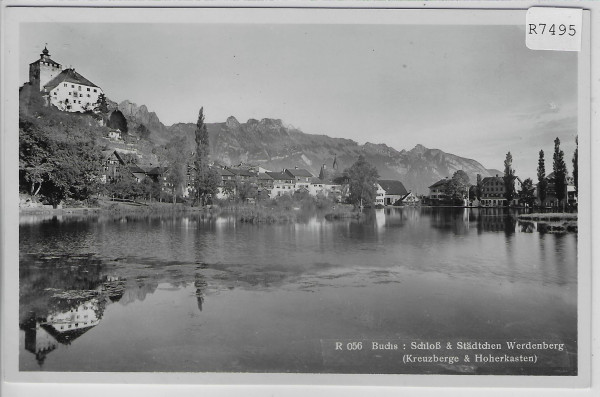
144 286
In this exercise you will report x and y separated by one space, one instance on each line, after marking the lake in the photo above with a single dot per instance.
199 293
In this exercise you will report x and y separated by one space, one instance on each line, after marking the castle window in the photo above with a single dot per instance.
69 93
94 90
65 84
88 95
88 89
72 86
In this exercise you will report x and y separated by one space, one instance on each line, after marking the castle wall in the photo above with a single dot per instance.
73 97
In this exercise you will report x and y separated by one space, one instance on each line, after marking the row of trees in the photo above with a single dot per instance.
559 169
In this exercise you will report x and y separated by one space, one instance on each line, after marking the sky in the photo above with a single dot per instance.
474 91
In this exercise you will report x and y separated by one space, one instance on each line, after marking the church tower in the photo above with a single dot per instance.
42 71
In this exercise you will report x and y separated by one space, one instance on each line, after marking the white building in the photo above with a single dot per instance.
66 89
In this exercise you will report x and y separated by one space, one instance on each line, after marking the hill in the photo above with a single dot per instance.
274 146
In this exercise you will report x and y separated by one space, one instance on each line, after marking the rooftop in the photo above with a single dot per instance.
392 187
68 76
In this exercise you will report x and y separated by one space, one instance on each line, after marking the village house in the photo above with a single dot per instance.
551 199
302 177
226 182
437 191
265 185
283 183
389 192
66 89
111 164
493 191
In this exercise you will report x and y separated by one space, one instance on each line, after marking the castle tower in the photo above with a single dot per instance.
43 70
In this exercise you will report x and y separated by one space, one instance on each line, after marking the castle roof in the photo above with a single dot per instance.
68 76
45 57
46 60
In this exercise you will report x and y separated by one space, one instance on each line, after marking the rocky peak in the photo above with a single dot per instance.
232 123
419 149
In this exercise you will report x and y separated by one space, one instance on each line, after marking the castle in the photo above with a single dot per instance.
66 89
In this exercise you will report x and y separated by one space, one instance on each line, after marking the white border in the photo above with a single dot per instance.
9 183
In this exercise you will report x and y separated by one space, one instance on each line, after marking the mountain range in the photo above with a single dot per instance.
274 145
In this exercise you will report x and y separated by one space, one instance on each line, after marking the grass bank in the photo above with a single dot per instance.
552 222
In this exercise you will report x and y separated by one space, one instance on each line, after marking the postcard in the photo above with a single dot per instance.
278 196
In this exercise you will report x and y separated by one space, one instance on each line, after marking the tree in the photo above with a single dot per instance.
57 156
245 189
560 171
527 192
101 105
118 121
542 181
176 158
509 180
206 179
457 187
362 180
575 170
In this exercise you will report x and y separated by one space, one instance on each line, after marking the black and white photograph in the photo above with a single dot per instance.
287 195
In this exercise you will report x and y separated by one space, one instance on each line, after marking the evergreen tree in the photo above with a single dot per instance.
542 181
509 180
560 171
363 178
101 105
575 166
206 179
479 187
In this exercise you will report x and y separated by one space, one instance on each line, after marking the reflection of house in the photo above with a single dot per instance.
389 192
493 191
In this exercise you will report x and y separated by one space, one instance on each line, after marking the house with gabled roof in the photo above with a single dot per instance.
437 191
389 191
283 183
302 177
66 89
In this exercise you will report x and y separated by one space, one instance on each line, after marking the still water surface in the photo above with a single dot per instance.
197 293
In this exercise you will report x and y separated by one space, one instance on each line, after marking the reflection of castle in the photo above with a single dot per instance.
38 341
42 336
70 325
